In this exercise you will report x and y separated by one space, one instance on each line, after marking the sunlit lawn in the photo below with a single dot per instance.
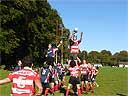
112 81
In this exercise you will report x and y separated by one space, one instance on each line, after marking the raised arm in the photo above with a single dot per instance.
81 34
79 59
6 80
60 43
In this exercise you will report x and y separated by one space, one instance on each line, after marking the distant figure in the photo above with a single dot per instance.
74 48
24 80
19 65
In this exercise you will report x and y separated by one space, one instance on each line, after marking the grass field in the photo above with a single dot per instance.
112 81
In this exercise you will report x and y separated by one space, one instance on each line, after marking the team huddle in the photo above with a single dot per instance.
51 77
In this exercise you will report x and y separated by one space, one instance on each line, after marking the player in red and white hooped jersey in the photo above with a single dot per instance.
90 77
74 44
24 80
94 74
84 75
74 77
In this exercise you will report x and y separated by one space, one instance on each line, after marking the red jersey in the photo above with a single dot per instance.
94 71
84 69
23 82
74 48
74 71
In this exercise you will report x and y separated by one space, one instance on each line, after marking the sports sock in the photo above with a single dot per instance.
86 88
46 92
67 92
79 92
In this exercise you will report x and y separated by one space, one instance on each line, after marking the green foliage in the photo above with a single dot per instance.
28 26
8 40
26 29
105 57
93 57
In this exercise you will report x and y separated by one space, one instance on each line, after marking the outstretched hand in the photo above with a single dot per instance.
61 42
81 34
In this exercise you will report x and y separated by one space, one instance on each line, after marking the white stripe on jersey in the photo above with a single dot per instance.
20 91
74 47
21 81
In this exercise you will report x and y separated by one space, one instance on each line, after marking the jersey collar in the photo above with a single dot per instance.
28 68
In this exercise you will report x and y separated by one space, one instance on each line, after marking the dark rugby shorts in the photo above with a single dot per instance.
74 80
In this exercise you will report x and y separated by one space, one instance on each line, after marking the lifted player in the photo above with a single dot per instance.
74 48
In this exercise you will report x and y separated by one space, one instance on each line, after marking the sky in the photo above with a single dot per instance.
104 23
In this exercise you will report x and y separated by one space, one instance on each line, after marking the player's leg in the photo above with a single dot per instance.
47 89
56 86
77 81
94 81
86 83
91 86
78 89
68 89
87 86
82 83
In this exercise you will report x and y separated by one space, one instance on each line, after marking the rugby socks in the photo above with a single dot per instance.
79 92
52 89
56 87
46 92
67 92
92 88
82 88
86 88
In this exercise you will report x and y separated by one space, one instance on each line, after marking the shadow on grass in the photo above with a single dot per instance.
121 94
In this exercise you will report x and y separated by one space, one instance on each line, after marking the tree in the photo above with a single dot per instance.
26 29
94 57
123 56
105 57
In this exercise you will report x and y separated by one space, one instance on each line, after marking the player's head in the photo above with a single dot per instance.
72 63
50 45
45 66
84 61
19 62
27 61
74 37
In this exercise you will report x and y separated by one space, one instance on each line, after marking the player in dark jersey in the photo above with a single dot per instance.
51 53
45 74
62 74
74 77
56 78
19 65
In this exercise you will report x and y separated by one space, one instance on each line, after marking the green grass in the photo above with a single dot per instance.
112 81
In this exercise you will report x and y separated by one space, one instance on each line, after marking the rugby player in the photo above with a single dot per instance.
45 74
23 81
74 48
84 75
74 77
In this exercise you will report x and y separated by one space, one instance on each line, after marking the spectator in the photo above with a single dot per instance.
19 65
